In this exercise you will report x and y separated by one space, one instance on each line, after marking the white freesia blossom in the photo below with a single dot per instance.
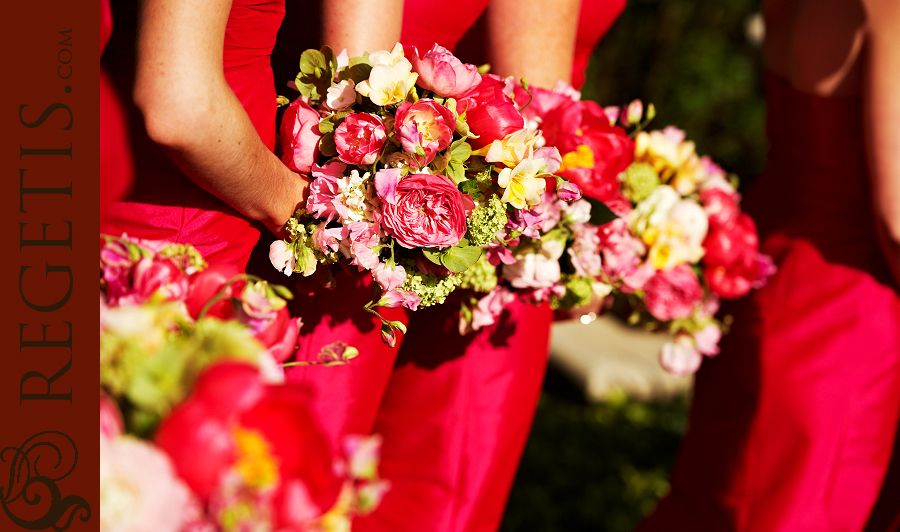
522 187
654 210
391 77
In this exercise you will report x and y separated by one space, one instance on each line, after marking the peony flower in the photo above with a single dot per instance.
139 490
359 138
721 207
425 124
300 136
680 357
428 211
594 152
490 113
441 72
236 430
673 294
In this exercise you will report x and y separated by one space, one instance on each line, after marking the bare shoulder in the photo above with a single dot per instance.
817 44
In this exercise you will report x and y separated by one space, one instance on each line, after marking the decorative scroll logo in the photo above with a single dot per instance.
32 499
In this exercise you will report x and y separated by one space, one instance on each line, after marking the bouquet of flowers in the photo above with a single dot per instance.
189 354
680 241
423 174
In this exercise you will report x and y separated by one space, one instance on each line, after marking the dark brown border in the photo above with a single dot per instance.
36 75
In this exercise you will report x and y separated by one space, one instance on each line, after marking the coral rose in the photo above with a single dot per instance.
426 211
425 124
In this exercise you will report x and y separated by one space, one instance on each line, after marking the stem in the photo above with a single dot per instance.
221 293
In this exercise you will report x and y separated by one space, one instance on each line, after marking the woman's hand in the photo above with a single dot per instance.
190 110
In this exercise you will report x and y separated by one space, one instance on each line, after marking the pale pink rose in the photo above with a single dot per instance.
551 158
359 138
536 270
706 340
386 181
389 277
429 212
281 257
300 136
324 189
139 490
363 256
585 252
673 294
425 124
441 72
680 357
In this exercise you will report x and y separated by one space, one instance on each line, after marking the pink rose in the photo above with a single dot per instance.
440 71
673 294
206 284
359 138
300 136
425 124
428 211
680 357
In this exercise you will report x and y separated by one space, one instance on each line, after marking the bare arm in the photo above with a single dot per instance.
191 111
534 39
881 97
362 25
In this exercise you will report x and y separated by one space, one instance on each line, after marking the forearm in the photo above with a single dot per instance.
881 97
361 25
534 39
190 110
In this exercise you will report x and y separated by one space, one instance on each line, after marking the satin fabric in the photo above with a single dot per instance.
164 203
792 425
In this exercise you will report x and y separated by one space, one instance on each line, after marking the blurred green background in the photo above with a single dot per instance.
603 467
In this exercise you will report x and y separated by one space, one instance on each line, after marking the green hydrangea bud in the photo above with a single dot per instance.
480 277
486 220
578 293
639 182
432 290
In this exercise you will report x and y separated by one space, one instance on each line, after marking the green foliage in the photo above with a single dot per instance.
600 213
691 58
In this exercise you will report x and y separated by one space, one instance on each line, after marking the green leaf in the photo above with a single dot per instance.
456 171
600 213
461 150
432 254
358 72
458 258
310 60
330 58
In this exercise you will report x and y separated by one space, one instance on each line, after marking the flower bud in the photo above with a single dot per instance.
634 112
568 191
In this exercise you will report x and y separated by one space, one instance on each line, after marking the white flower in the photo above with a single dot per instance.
391 77
523 189
356 198
341 95
680 357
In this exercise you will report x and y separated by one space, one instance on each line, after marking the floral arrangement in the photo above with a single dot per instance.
189 354
679 242
425 175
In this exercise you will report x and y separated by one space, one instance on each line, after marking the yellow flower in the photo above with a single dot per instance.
388 85
511 150
523 187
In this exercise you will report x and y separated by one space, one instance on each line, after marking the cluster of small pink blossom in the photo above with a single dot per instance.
184 351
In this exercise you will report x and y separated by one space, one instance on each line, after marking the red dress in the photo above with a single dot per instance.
792 425
165 204
457 411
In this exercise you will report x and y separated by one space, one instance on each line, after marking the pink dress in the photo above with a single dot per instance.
792 425
164 203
